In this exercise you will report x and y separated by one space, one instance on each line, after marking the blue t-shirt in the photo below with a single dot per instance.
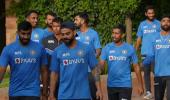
146 31
72 66
161 51
25 63
119 60
47 33
90 38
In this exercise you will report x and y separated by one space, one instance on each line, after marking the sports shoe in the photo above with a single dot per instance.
148 95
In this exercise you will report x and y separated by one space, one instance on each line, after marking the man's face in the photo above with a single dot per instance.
56 27
24 36
67 35
33 19
150 14
165 24
116 35
49 20
78 21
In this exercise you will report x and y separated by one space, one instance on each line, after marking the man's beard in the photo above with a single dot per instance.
165 28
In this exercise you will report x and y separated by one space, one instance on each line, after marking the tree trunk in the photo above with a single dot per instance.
128 23
2 25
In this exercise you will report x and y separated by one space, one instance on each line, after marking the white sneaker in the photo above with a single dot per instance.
148 95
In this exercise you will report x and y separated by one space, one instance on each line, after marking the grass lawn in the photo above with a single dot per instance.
5 82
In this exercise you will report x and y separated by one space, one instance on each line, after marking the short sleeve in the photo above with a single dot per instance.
97 44
139 32
103 55
134 57
92 61
55 64
4 58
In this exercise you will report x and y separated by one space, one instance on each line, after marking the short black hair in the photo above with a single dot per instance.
165 16
30 12
68 24
121 27
57 20
25 25
51 13
83 15
149 7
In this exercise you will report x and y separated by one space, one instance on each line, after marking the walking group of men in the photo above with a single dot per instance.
66 59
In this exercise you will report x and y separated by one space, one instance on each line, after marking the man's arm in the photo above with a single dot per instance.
139 77
2 72
44 76
53 81
98 52
138 43
96 74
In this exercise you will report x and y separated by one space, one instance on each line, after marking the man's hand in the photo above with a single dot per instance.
51 97
140 90
99 95
44 97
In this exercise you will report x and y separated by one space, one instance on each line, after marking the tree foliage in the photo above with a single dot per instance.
104 14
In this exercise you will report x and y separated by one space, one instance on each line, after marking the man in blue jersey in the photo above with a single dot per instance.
119 56
161 54
49 17
70 62
27 61
145 34
37 32
90 37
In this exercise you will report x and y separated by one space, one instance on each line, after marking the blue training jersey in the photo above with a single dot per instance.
161 53
72 64
146 31
25 63
119 60
90 38
47 33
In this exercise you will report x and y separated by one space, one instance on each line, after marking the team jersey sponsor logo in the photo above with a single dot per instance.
158 46
86 42
25 60
149 31
111 58
36 36
124 51
73 61
18 53
66 54
154 26
50 41
32 52
80 53
159 40
87 38
77 38
112 51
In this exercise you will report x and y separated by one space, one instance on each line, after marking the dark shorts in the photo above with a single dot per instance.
119 93
161 84
24 98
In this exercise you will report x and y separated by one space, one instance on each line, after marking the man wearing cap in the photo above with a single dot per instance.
119 56
71 60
